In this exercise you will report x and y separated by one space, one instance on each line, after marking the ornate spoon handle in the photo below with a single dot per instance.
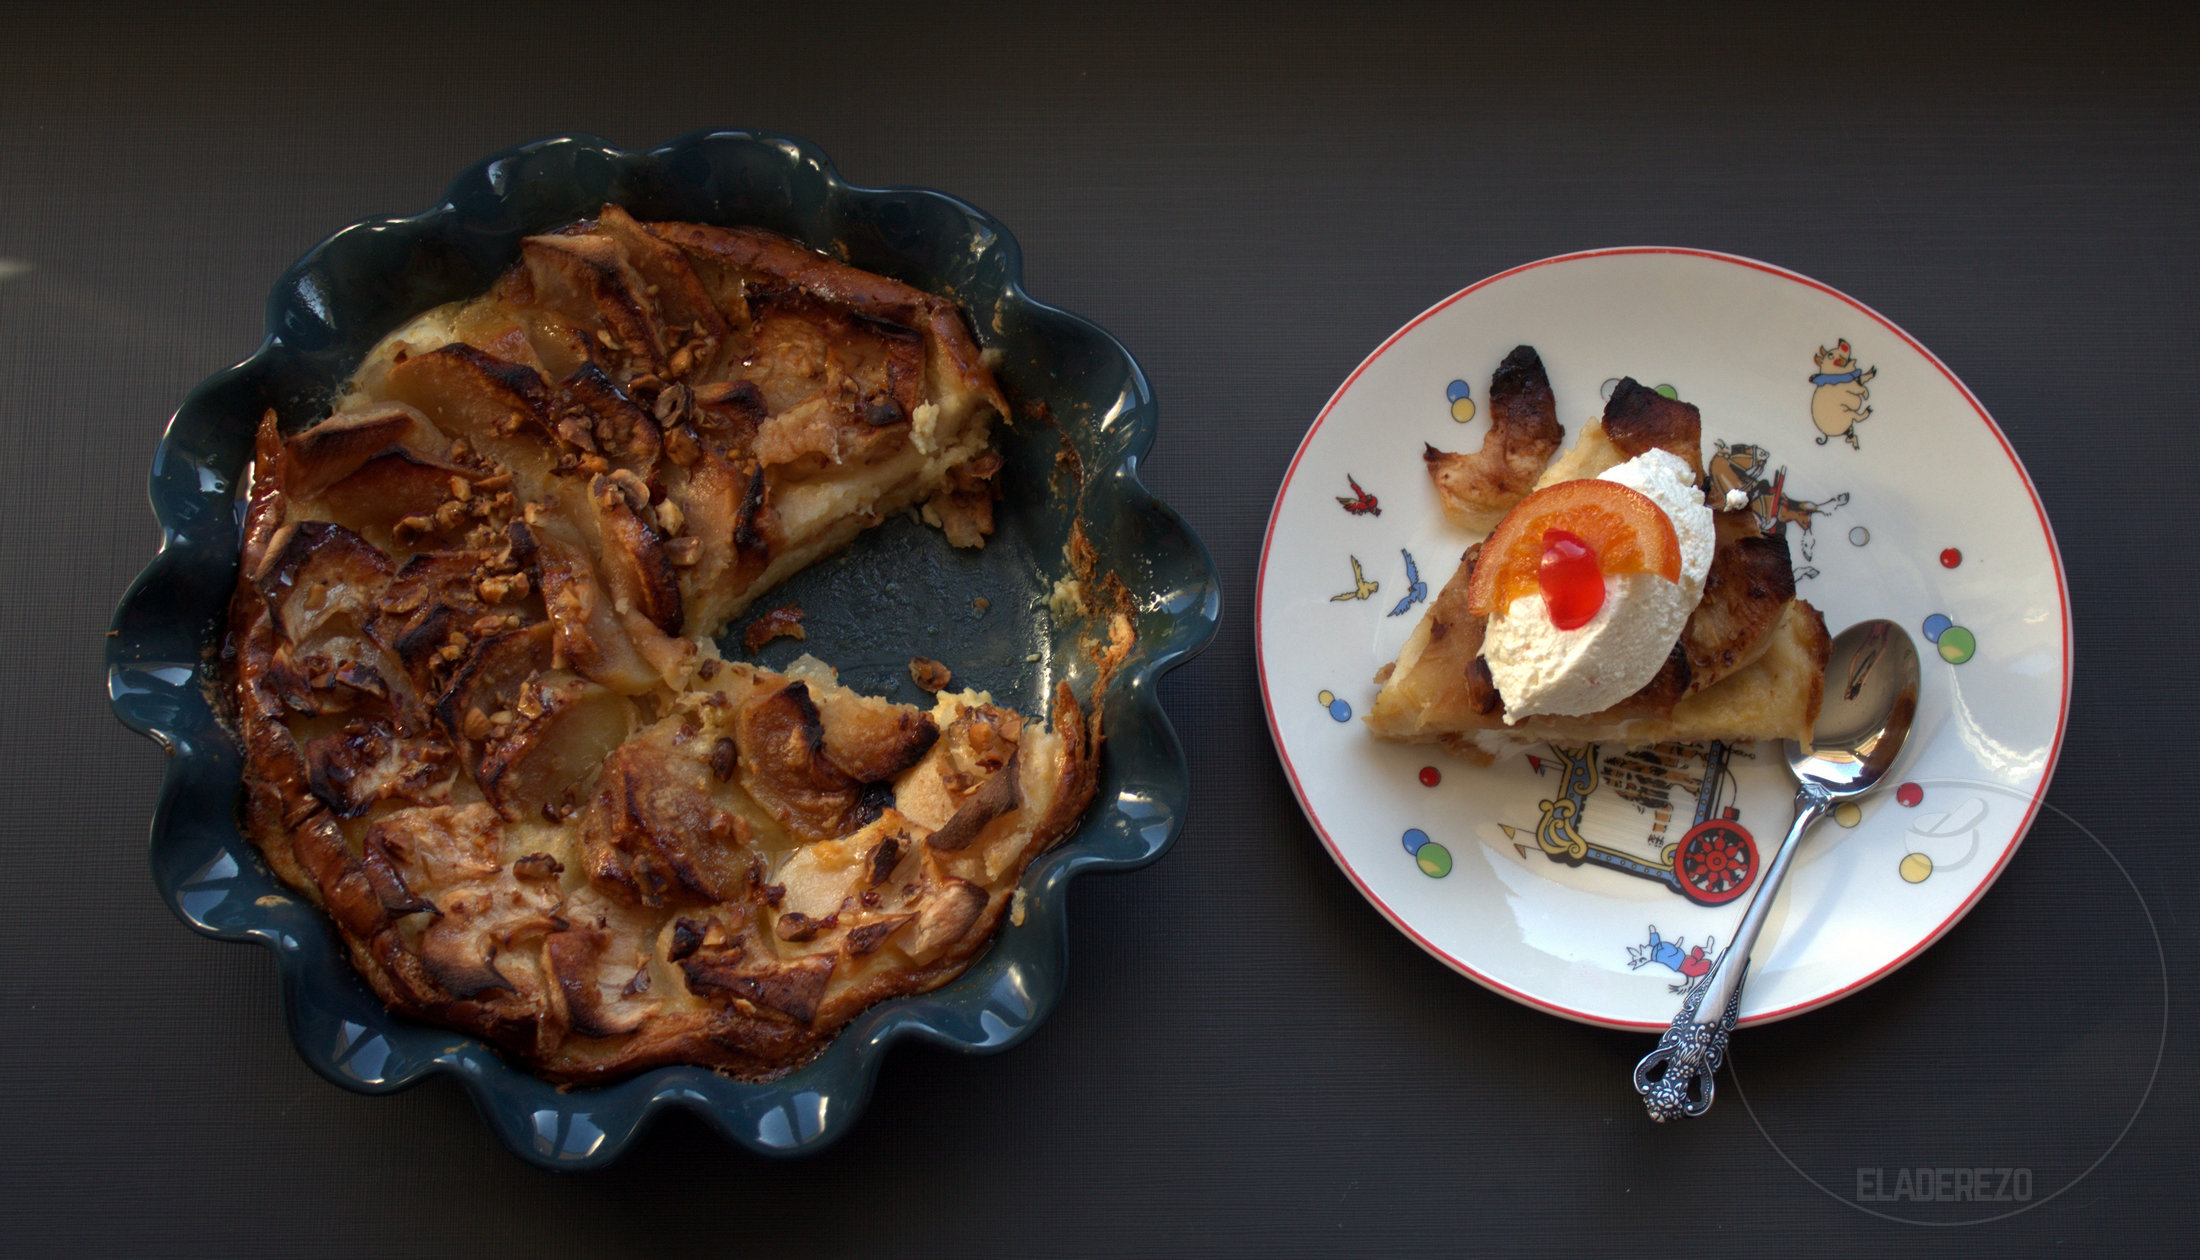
1675 1079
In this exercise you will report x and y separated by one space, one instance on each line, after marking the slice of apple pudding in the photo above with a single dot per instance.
485 723
1610 604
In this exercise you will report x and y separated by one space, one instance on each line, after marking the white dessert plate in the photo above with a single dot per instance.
1899 497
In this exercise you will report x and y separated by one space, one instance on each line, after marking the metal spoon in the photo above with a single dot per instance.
1871 699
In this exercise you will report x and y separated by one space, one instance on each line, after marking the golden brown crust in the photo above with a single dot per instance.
1477 489
476 732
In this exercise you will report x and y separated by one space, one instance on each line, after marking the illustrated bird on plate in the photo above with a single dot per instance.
1360 502
1416 589
1361 587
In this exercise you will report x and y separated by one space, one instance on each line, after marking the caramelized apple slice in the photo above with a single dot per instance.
1628 531
315 573
1477 489
585 279
595 1004
950 909
1749 586
494 330
595 415
636 571
683 307
501 409
486 939
433 597
839 388
873 740
591 634
1638 419
336 447
654 834
794 989
483 695
720 271
369 760
784 765
727 539
397 499
995 797
564 728
559 346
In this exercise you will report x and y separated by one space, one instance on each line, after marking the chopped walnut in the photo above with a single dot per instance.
628 486
682 448
930 674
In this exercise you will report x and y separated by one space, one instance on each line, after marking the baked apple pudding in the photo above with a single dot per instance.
1611 603
486 726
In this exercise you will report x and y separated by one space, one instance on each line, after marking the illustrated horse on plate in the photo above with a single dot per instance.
1741 466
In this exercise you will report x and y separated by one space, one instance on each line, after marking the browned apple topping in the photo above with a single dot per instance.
486 725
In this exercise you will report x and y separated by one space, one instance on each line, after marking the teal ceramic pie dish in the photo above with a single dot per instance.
898 591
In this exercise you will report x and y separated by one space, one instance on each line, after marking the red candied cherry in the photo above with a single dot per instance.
1571 580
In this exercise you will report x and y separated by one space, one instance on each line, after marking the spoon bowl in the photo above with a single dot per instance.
1872 679
1870 701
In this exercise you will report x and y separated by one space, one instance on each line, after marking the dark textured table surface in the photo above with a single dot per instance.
1248 1060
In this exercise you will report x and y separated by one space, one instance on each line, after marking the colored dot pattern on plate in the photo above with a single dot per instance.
1461 397
1956 643
1431 776
1910 794
1336 705
1433 859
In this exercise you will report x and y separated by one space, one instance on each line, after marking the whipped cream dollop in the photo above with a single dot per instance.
1539 668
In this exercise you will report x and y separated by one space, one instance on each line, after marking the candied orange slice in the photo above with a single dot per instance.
1628 531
